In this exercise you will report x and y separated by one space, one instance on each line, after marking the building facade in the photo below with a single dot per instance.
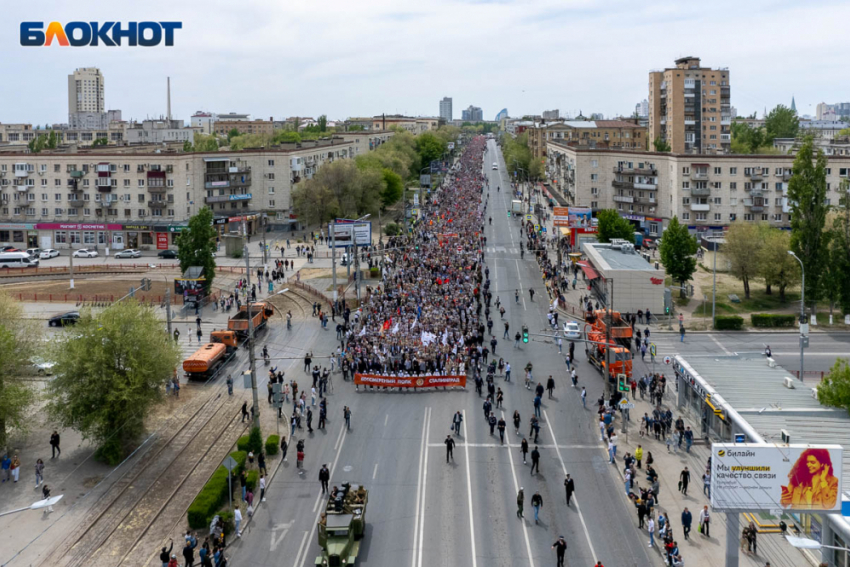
618 134
689 107
223 127
551 114
472 114
144 199
365 141
86 91
704 192
159 131
413 125
446 109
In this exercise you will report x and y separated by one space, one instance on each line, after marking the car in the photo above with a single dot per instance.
69 318
42 368
48 253
167 254
10 248
85 253
129 253
34 252
495 165
572 330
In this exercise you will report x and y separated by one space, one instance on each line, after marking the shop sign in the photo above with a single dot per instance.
13 226
139 227
162 241
76 226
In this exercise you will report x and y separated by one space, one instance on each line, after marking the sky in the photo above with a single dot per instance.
363 58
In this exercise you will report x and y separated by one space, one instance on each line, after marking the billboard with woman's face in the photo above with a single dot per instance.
753 476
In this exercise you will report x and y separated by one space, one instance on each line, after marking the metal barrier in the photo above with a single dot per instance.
82 298
810 375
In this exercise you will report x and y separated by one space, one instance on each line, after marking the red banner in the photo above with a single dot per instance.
430 381
162 241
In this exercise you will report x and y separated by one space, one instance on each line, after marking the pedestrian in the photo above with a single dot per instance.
54 443
346 413
523 448
569 486
681 333
262 488
189 554
244 411
584 397
6 465
450 446
163 556
237 516
507 371
537 403
684 479
520 499
550 386
535 460
457 420
687 518
492 422
39 472
706 483
650 527
560 548
324 477
16 468
705 521
229 385
752 539
638 455
502 426
536 503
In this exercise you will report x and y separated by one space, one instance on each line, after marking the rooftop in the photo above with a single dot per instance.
612 257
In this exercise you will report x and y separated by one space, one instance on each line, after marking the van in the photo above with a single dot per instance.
17 260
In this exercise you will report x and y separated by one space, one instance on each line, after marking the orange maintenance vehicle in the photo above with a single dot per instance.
205 363
599 352
260 313
621 331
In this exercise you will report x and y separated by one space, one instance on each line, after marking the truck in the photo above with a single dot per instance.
621 331
260 313
206 362
516 207
597 351
342 526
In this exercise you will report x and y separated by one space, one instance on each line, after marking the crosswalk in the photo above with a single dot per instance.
502 250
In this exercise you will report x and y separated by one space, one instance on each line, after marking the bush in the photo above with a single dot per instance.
375 272
252 480
229 520
772 320
241 457
391 229
236 254
729 323
242 443
209 500
272 444
255 441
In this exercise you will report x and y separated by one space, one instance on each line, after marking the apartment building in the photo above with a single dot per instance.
619 134
838 146
472 114
446 109
413 125
704 191
120 199
364 141
222 127
689 107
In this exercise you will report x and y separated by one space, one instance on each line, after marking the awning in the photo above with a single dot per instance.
588 271
216 159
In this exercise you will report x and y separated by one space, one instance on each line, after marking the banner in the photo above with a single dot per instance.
752 476
409 381
580 216
560 216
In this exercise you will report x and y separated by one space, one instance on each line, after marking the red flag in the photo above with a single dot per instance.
387 324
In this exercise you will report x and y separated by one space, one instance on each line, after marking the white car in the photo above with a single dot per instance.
495 165
85 253
572 330
48 254
42 368
129 253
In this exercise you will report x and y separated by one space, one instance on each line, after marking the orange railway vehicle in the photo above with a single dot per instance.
260 313
207 360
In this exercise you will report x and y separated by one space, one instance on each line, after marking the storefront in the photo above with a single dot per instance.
139 236
580 234
20 235
80 235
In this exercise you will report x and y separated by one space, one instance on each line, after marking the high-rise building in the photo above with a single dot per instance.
472 114
503 114
85 91
642 108
551 114
689 107
828 111
446 109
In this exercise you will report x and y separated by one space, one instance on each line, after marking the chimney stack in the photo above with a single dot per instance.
169 99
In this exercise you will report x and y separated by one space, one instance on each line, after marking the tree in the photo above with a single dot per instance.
844 132
807 195
339 189
837 264
394 188
746 139
354 128
775 265
187 146
99 142
232 134
612 225
20 340
429 147
834 389
834 271
52 140
286 136
109 372
743 248
196 245
677 251
781 122
37 144
204 143
323 123
661 145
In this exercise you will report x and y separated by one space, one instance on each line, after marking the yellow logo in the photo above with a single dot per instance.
721 453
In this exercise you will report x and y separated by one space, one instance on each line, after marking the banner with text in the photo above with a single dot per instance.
561 216
430 381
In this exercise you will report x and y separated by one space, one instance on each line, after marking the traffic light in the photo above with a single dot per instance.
524 334
622 383
509 214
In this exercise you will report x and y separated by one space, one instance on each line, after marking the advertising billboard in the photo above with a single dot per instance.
347 231
560 216
754 476
580 217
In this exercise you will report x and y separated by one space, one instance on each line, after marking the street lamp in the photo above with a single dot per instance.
806 543
803 326
46 503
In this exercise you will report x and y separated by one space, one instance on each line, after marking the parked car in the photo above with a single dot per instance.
167 254
85 253
34 252
129 253
42 368
10 248
572 331
48 253
69 318
17 260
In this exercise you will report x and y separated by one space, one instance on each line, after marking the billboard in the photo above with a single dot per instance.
386 381
425 180
580 217
755 476
560 216
346 232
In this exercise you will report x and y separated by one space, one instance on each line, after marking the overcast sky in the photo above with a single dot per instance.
362 58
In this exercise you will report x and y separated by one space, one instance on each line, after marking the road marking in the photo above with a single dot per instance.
514 445
578 508
419 484
516 490
276 540
469 495
521 291
339 439
386 419
424 486
301 549
723 348
375 472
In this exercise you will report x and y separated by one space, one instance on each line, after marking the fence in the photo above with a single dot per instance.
810 375
105 269
84 298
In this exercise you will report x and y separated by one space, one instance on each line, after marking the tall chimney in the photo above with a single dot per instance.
169 99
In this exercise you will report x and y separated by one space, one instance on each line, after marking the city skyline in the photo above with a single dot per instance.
381 75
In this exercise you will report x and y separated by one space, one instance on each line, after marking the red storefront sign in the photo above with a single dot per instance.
409 381
162 241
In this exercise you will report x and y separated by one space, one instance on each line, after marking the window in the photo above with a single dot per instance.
829 171
777 217
44 196
700 216
717 216
171 212
733 185
717 170
44 212
686 216
733 216
271 190
271 163
57 182
733 201
43 182
57 197
686 184
686 200
594 191
141 182
843 172
271 176
594 176
686 170
72 212
56 168
61 237
594 204
126 183
271 203
764 217
717 200
733 171
594 163
126 168
57 211
717 185
87 212
748 216
141 197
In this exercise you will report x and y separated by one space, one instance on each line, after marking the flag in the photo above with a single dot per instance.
414 324
362 331
395 328
446 337
387 324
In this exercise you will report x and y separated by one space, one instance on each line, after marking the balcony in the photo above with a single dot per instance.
757 208
699 176
690 122
240 180
623 184
700 191
23 188
22 170
651 186
635 170
726 138
755 175
700 207
216 184
646 200
157 189
785 176
103 182
76 173
157 204
623 199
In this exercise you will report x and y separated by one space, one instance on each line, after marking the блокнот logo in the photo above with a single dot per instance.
111 34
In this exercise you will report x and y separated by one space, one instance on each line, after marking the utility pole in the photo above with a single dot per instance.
333 257
251 359
168 308
804 325
609 305
357 263
714 288
71 268
264 220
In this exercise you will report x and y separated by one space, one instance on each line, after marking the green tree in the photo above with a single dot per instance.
430 147
807 195
746 139
612 225
187 146
286 136
37 143
394 188
339 189
354 128
743 246
109 372
677 251
52 140
834 389
99 142
781 122
232 134
196 245
661 145
844 132
834 271
20 342
323 123
204 143
775 265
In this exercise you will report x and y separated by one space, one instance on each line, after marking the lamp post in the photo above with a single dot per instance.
804 327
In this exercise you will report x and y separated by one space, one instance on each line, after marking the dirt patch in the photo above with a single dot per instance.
91 481
117 286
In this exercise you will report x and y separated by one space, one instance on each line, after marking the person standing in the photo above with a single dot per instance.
520 500
16 468
244 411
165 553
584 397
189 554
523 448
752 539
570 487
687 519
517 421
705 521
706 483
550 386
502 426
262 488
39 472
450 445
6 465
492 421
536 503
54 443
237 516
535 460
684 479
457 420
324 477
650 526
346 413
560 548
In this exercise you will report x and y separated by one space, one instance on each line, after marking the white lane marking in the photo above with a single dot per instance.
578 508
424 486
386 419
516 491
521 291
723 348
339 439
514 445
375 472
301 549
333 468
469 495
318 501
419 486
284 529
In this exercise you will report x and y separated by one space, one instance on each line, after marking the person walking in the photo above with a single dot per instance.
54 444
346 413
560 547
650 527
535 460
492 421
244 411
507 371
687 518
705 522
501 427
324 477
16 468
237 517
39 472
537 403
706 483
457 420
450 446
684 479
584 397
523 448
520 500
752 539
550 386
536 503
570 487
262 488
